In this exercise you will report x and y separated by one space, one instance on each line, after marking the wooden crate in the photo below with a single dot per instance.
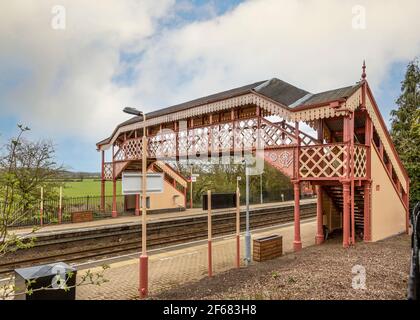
82 216
267 248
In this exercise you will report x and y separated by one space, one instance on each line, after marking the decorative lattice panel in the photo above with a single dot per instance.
323 161
198 141
360 160
274 135
305 139
132 149
108 171
246 134
163 145
238 135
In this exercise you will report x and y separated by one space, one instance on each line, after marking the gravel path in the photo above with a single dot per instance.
317 272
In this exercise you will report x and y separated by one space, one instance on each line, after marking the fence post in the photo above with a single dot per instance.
210 262
60 205
42 207
87 203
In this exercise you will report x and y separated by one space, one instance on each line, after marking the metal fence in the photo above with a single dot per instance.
32 216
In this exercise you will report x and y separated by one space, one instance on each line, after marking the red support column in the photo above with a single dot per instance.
367 234
114 198
346 213
103 182
297 244
114 186
367 210
144 276
137 210
319 216
185 197
368 139
351 136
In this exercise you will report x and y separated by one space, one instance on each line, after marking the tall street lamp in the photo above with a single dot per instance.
247 231
143 257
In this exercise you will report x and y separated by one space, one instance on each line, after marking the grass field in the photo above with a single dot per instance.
88 187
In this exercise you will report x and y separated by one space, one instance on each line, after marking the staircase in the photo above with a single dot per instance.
336 194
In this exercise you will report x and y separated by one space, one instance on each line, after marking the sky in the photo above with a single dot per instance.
68 71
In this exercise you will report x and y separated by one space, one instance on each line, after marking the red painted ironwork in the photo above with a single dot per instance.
326 161
346 214
319 216
297 243
367 235
143 282
103 182
137 207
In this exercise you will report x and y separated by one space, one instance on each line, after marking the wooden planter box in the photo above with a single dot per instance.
267 248
82 216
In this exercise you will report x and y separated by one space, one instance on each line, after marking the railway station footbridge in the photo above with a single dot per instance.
360 182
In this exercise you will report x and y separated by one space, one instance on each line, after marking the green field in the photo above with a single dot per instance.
88 187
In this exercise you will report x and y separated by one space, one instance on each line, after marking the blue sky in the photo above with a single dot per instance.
70 85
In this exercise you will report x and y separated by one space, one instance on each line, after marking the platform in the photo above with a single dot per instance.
172 267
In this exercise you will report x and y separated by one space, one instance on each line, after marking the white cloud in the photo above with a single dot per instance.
309 43
66 83
67 75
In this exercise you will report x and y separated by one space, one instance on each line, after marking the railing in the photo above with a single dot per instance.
360 160
32 216
238 135
323 161
108 171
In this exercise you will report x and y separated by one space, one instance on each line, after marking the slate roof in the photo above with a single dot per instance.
330 95
275 89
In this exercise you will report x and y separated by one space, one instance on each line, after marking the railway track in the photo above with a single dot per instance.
125 239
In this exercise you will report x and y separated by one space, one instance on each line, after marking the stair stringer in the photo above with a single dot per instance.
281 159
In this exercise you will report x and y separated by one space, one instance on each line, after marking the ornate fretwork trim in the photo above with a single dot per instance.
307 115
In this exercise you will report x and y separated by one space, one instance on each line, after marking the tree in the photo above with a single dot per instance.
405 127
222 178
26 166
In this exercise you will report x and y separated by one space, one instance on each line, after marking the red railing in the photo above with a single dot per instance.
323 161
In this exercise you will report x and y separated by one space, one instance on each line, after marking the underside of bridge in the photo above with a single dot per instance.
351 162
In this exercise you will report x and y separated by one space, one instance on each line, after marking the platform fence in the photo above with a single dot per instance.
17 216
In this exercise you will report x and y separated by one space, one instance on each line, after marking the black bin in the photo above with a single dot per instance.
46 276
220 200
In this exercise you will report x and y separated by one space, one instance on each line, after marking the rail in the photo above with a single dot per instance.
323 161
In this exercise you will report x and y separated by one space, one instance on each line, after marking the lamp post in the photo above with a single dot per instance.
261 189
238 178
247 232
143 257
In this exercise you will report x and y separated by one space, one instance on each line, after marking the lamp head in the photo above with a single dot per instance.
133 111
